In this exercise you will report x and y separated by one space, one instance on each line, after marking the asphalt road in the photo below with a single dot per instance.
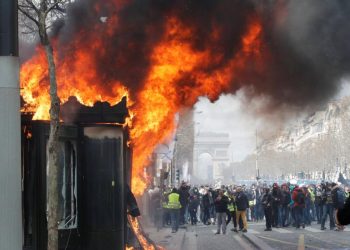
202 237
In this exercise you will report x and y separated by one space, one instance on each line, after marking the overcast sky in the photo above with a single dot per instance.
231 114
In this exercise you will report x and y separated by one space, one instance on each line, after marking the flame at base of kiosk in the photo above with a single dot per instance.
145 243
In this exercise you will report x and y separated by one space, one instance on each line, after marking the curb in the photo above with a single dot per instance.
183 239
256 242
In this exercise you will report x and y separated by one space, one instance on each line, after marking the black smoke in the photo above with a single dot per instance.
306 43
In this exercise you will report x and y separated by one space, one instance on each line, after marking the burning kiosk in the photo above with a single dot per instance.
94 169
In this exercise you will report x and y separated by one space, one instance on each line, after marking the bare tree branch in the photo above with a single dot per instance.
56 6
28 15
32 5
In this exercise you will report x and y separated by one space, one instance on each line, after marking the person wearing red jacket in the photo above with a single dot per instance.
298 197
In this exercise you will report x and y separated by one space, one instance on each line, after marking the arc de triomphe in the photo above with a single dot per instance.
216 145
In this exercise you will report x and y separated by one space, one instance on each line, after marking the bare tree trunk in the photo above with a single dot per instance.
52 149
53 143
37 12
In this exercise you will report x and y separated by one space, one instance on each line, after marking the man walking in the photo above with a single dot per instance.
328 208
221 208
242 205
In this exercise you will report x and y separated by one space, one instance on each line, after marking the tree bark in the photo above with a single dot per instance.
52 151
37 12
52 147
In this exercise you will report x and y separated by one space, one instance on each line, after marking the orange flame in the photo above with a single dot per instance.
136 227
164 95
177 77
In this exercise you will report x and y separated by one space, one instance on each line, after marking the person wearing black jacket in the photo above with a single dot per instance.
206 206
221 202
328 208
285 200
266 201
184 199
318 203
192 207
276 205
242 205
337 203
342 215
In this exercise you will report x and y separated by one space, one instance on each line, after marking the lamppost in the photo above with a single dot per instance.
10 127
256 156
293 148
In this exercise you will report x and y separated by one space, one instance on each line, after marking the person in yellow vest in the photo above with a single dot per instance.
231 207
174 206
166 215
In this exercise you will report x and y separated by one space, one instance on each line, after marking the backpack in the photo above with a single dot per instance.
340 198
300 198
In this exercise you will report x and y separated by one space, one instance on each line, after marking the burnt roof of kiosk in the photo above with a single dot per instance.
73 111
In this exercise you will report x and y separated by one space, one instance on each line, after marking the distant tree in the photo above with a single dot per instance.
40 15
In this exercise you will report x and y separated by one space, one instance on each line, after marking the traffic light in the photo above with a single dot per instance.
177 174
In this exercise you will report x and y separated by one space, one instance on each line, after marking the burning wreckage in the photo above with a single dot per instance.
95 201
162 55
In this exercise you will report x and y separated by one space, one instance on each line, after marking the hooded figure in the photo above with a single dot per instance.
266 201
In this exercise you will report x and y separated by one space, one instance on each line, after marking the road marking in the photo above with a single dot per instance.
252 231
288 243
301 243
281 230
242 243
314 230
339 242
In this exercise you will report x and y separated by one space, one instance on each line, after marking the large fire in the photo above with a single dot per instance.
178 75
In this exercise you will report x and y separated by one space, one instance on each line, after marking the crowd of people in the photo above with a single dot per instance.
286 205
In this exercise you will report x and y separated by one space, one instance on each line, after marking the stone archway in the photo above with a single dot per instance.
204 173
216 145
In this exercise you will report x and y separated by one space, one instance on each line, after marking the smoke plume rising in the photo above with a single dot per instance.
165 54
304 46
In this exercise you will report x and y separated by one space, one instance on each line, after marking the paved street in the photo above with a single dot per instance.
202 237
282 238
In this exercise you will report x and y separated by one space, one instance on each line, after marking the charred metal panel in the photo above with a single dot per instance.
102 112
103 165
103 189
8 28
34 140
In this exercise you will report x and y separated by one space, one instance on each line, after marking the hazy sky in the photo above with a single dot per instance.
233 114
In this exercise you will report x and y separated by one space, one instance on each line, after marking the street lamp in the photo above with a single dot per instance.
292 144
10 127
256 156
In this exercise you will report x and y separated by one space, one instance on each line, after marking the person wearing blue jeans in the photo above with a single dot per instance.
174 214
285 215
285 201
327 209
299 216
174 207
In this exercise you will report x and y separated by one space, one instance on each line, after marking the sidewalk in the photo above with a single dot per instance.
165 238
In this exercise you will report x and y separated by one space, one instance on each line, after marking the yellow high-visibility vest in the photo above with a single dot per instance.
164 204
312 195
252 203
174 201
231 207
